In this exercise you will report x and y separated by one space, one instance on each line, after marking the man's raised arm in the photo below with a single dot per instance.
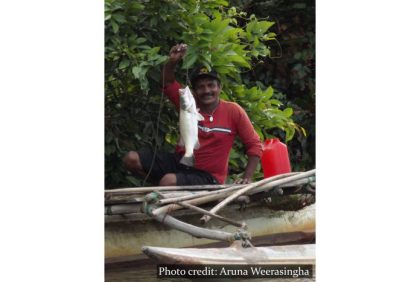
176 53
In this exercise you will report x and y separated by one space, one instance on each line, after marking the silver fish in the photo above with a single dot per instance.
188 118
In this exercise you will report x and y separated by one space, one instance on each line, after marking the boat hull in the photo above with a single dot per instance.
125 235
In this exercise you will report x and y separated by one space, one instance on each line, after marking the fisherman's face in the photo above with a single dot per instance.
207 90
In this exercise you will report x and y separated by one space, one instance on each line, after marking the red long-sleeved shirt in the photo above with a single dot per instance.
216 138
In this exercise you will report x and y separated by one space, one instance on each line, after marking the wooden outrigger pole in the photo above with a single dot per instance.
275 181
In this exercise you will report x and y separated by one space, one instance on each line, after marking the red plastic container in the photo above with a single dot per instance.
275 158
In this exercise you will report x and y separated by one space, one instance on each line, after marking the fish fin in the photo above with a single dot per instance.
199 117
197 145
181 142
188 161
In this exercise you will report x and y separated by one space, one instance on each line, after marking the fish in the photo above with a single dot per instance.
188 125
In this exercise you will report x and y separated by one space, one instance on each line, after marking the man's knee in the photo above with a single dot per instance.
132 162
168 179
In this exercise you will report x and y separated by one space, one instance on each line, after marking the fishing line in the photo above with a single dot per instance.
157 125
157 130
187 78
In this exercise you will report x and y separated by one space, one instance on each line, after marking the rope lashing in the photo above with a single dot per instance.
150 202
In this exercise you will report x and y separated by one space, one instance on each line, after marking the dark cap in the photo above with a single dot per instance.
203 72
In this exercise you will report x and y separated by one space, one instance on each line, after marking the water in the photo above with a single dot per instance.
147 273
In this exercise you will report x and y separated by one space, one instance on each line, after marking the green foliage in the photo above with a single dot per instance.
290 68
138 36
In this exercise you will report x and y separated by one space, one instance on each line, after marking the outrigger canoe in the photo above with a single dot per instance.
271 218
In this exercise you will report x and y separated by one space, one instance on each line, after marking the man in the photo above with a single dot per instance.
216 133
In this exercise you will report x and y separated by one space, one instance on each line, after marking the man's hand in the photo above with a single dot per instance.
177 52
249 170
245 180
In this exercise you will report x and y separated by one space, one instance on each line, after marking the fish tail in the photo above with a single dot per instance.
188 161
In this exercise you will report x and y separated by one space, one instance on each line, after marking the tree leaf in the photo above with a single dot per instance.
136 71
119 18
123 64
288 112
263 26
240 61
114 26
189 59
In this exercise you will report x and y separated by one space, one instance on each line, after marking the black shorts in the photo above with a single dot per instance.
169 163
